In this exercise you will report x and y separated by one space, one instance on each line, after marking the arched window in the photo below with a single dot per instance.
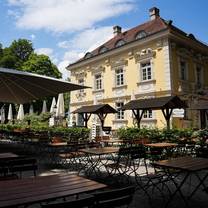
140 34
103 49
88 55
119 43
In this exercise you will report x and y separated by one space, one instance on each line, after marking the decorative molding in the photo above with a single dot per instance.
184 52
144 54
79 74
97 69
117 63
98 91
119 87
151 81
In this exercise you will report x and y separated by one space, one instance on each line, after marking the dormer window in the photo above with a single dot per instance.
140 35
119 43
88 55
103 49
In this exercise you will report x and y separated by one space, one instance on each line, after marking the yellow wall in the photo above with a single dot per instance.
165 71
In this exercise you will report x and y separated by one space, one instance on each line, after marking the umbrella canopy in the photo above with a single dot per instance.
10 114
44 108
60 106
20 114
31 110
23 87
2 114
53 105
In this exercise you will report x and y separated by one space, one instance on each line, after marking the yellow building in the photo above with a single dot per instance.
153 59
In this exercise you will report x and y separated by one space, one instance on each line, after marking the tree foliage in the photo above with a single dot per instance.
20 55
41 64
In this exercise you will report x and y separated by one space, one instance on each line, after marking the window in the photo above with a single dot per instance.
140 34
146 71
81 82
198 76
120 112
119 77
119 43
103 49
183 70
88 55
98 82
147 114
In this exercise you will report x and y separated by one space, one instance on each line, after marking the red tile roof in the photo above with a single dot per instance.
128 36
150 27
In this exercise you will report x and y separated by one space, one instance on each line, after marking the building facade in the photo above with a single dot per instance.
153 59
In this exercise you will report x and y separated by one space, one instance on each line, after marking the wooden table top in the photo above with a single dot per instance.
112 140
58 144
184 163
161 145
42 188
100 150
8 155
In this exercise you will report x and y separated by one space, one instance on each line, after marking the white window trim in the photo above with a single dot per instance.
124 77
116 118
152 70
95 84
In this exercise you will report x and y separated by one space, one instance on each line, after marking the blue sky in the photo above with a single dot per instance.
66 29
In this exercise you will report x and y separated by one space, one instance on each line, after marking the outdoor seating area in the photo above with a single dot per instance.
161 171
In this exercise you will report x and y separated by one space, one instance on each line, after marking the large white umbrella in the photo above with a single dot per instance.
20 114
31 109
23 87
53 105
2 114
10 113
44 108
60 106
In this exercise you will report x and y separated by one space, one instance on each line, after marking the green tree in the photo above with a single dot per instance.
1 51
21 49
41 64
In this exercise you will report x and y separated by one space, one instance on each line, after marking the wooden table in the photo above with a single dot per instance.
44 188
188 166
161 145
100 150
8 155
112 141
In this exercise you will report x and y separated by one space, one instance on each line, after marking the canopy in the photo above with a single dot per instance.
101 110
60 112
10 113
20 114
166 104
23 87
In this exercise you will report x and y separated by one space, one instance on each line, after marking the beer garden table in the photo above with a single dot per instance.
44 188
96 157
188 166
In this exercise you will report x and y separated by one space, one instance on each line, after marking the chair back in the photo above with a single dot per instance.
21 165
76 203
114 198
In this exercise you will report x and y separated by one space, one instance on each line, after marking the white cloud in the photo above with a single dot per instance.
32 36
62 68
67 15
81 43
45 51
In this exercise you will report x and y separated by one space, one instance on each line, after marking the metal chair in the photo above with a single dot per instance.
114 198
75 203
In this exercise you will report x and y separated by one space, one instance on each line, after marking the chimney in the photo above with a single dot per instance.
154 12
116 30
